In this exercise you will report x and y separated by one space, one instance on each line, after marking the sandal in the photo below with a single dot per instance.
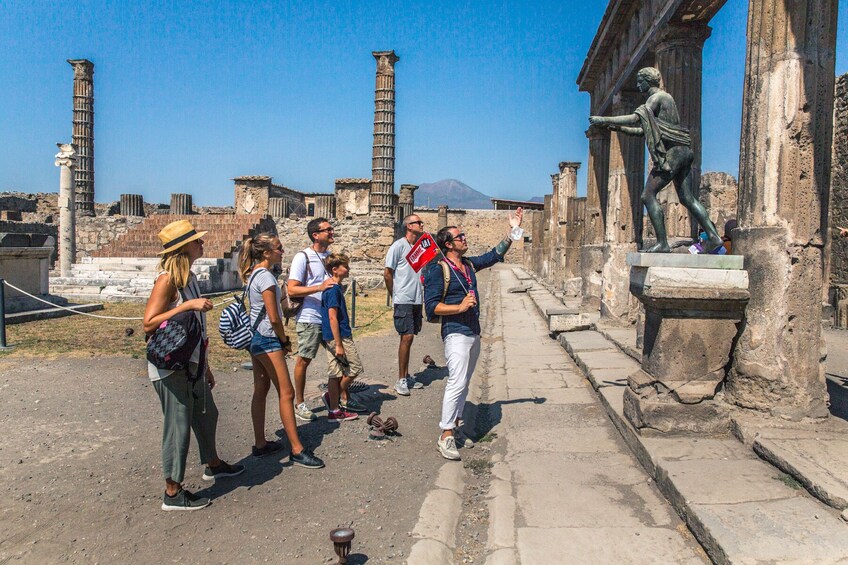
270 447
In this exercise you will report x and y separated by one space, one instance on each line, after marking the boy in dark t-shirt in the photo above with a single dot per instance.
343 364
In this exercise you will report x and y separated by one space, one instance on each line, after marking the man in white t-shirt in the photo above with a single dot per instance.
404 284
307 279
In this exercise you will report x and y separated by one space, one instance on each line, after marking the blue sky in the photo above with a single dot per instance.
191 94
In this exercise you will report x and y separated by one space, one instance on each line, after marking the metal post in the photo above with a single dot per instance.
3 314
353 304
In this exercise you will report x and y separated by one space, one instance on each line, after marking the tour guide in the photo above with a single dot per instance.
459 309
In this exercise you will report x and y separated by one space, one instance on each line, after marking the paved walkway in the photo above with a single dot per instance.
565 487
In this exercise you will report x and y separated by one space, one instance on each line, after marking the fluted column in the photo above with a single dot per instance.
132 205
594 227
66 160
181 204
623 218
679 57
383 155
784 184
406 199
83 134
325 205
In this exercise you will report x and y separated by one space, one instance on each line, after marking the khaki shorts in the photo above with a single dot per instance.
308 339
334 368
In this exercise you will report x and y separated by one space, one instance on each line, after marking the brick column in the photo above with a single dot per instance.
623 219
83 134
591 253
784 184
383 155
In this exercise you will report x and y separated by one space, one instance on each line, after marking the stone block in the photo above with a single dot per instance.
15 240
11 215
663 413
685 261
570 321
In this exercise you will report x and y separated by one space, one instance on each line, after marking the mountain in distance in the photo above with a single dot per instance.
454 193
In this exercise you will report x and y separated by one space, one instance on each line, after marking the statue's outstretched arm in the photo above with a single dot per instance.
630 130
606 121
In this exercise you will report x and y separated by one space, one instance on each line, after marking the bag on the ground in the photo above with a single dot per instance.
234 324
171 345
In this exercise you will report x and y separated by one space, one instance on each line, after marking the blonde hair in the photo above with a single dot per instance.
252 250
178 266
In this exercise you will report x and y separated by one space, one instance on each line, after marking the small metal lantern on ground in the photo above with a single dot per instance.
341 538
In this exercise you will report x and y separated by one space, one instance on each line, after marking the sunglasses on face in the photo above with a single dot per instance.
459 236
328 230
419 222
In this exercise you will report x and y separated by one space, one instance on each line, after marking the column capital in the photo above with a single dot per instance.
385 61
682 35
67 155
83 68
573 165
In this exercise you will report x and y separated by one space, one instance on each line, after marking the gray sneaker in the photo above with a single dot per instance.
183 500
447 447
401 387
303 412
412 383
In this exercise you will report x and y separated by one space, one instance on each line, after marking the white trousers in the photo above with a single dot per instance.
461 352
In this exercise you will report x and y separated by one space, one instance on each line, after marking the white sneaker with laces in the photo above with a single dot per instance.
303 412
447 447
401 388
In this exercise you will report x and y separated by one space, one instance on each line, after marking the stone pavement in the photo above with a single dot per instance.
565 488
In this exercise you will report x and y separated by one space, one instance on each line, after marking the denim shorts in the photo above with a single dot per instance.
261 344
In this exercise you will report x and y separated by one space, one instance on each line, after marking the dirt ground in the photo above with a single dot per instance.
80 467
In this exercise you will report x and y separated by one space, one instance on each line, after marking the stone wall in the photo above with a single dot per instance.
485 228
93 232
719 192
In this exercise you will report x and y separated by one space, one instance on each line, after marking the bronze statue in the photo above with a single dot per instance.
670 148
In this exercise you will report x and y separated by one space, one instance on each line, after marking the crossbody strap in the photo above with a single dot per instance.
262 312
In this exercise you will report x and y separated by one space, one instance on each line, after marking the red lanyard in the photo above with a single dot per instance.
462 271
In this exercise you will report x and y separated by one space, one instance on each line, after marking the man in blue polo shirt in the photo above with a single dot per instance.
459 309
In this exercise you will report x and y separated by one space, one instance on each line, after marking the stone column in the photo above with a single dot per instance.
784 184
181 204
442 217
83 133
325 205
406 199
132 205
66 160
277 208
591 253
383 155
626 177
679 56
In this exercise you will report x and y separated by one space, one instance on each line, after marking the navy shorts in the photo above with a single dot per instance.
408 318
261 344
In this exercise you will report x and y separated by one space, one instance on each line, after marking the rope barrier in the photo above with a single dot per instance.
72 311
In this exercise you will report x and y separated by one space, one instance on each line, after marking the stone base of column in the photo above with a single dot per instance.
617 304
591 271
777 362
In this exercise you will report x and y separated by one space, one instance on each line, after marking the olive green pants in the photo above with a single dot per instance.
183 408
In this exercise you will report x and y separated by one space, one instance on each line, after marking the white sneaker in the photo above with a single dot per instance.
401 388
447 447
462 440
412 383
303 412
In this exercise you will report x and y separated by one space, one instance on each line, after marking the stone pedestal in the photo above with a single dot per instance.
693 305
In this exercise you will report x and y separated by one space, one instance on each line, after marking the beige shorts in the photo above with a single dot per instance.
334 368
308 339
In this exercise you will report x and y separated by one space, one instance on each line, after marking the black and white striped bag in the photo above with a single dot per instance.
234 324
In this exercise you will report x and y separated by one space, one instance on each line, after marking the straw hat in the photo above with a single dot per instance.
176 234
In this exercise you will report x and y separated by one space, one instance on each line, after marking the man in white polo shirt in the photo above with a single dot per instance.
307 279
404 284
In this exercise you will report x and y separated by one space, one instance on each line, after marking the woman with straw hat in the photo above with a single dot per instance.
187 402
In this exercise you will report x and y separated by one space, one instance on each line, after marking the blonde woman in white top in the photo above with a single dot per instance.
187 404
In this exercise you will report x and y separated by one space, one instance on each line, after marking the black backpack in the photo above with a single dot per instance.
171 345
